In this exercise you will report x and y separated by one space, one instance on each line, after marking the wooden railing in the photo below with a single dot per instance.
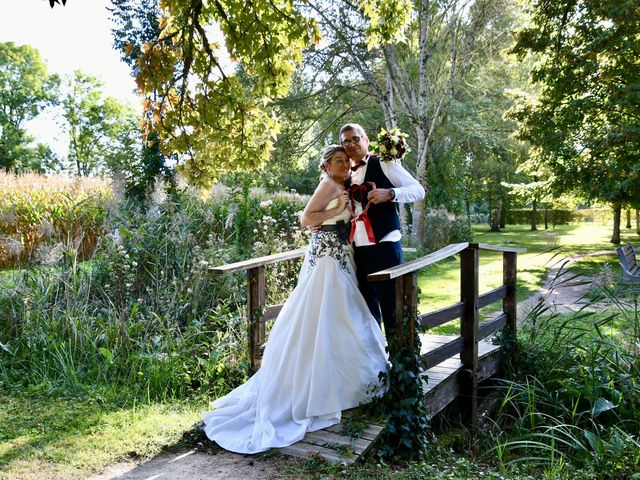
471 331
405 275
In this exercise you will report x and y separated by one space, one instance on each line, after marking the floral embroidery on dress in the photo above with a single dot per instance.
325 244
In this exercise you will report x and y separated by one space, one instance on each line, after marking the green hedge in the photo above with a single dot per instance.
556 216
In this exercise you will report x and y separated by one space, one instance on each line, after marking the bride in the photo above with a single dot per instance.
325 349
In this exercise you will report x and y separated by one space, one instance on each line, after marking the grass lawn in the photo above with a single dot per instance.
49 436
439 284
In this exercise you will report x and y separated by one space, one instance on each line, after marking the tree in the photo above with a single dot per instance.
103 135
136 23
25 90
587 119
201 108
416 80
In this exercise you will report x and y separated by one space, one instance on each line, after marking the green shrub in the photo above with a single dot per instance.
555 216
144 311
575 400
442 229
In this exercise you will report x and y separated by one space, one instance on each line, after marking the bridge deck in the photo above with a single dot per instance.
336 444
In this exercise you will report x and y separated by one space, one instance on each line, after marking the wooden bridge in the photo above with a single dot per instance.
455 364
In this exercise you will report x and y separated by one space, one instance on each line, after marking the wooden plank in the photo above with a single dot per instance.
419 263
332 440
492 296
496 248
443 352
257 262
486 348
308 451
492 326
510 301
438 398
371 432
489 365
443 315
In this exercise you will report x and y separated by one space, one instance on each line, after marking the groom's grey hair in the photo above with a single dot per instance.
356 127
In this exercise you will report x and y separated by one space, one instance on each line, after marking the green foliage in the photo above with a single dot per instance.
406 428
27 90
442 230
144 312
584 122
104 135
555 216
575 400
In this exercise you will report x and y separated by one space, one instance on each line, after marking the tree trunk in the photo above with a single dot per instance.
490 216
419 208
628 217
503 214
534 215
638 221
495 220
546 218
617 214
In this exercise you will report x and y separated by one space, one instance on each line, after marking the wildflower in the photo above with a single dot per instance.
266 203
189 291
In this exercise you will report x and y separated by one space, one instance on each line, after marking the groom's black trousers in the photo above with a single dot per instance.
380 296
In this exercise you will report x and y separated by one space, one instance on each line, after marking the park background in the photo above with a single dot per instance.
523 124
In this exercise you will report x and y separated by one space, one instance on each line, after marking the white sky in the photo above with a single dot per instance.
71 37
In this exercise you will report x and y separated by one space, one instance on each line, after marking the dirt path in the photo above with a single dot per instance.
191 464
562 291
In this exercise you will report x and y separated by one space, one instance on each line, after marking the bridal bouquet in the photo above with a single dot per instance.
392 145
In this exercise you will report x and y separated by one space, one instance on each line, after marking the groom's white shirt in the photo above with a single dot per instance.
407 190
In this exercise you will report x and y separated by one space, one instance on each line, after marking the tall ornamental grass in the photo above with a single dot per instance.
573 408
42 217
144 313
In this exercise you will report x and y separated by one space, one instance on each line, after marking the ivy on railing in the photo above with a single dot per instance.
403 407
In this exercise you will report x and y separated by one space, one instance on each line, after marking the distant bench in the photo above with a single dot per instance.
629 264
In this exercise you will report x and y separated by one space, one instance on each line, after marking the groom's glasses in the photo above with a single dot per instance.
348 141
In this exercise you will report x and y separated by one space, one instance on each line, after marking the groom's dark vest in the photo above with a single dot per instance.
384 216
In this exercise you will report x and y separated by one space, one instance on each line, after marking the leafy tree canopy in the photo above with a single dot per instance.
586 122
25 89
219 118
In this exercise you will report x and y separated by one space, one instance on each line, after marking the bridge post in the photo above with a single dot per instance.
406 300
510 302
256 327
469 262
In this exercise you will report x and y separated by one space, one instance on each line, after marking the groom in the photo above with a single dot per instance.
382 250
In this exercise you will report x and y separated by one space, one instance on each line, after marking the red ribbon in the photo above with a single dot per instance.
364 218
359 193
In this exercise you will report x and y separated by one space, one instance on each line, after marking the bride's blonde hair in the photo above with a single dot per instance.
328 152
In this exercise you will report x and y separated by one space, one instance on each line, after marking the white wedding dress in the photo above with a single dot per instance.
323 356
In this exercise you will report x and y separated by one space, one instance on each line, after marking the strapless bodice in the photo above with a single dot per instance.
344 215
